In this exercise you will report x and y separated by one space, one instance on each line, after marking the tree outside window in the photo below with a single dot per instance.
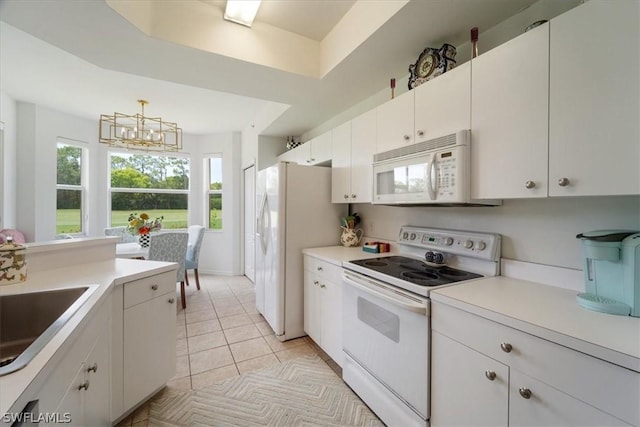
70 191
156 185
214 192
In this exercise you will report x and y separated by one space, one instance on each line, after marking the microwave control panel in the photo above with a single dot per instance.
449 174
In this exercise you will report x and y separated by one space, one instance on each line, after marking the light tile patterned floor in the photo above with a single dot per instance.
220 335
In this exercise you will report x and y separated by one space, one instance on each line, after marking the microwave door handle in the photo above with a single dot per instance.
432 178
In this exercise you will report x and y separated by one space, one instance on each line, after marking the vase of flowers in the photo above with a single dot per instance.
141 225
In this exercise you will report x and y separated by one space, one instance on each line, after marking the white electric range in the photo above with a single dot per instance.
386 327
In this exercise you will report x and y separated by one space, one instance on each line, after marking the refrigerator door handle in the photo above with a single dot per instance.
264 210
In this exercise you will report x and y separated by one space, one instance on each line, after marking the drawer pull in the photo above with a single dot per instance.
93 368
506 347
323 286
154 287
315 283
172 300
490 375
84 385
525 392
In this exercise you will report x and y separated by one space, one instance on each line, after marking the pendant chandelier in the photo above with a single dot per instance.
137 132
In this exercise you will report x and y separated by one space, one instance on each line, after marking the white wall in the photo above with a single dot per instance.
541 231
9 157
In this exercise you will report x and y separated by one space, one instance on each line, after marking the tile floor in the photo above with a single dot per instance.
220 335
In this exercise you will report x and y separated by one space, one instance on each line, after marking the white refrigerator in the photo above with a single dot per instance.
294 212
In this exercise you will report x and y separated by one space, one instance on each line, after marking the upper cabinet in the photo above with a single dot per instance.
395 123
442 105
509 118
312 152
594 138
353 144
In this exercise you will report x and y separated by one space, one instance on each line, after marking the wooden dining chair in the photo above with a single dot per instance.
171 247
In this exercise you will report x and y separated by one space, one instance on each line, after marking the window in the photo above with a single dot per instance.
156 185
70 191
214 192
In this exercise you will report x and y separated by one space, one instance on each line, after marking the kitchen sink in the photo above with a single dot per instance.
30 320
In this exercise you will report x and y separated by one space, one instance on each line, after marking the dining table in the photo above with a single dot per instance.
131 250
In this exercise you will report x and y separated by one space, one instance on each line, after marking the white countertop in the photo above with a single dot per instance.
106 273
551 313
339 254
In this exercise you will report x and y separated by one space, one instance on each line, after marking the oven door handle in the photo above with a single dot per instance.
368 287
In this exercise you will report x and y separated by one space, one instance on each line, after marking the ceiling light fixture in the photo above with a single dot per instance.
241 11
137 132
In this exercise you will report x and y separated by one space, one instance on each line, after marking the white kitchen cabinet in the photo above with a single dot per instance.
538 381
443 104
594 87
353 144
149 336
395 122
509 118
313 152
323 305
78 389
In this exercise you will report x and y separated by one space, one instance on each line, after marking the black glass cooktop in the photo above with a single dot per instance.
415 271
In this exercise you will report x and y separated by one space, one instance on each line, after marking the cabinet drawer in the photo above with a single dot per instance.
322 269
147 288
606 386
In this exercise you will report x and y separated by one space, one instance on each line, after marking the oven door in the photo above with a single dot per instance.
386 332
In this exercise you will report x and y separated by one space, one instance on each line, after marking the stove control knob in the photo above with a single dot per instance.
481 246
448 241
413 236
405 235
468 244
438 258
429 256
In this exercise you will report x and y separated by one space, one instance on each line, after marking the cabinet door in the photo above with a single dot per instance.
363 145
341 164
71 406
462 393
594 87
312 306
299 154
149 347
395 123
331 316
535 403
97 373
443 104
320 149
509 118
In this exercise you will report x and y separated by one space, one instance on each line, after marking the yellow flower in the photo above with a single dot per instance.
144 216
133 222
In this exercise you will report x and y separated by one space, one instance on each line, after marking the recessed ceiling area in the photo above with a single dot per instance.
86 59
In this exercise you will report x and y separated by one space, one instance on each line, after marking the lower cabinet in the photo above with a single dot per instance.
148 337
77 391
485 373
323 305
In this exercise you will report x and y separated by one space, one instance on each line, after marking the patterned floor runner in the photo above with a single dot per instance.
299 392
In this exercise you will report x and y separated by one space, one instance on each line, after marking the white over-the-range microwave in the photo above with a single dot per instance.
434 172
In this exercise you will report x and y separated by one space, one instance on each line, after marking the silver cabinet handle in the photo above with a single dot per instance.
346 196
323 286
406 137
93 368
319 268
84 385
420 133
353 196
529 185
563 182
490 375
506 347
154 287
171 300
525 392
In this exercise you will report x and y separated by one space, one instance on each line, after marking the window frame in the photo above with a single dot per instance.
208 191
83 187
111 190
